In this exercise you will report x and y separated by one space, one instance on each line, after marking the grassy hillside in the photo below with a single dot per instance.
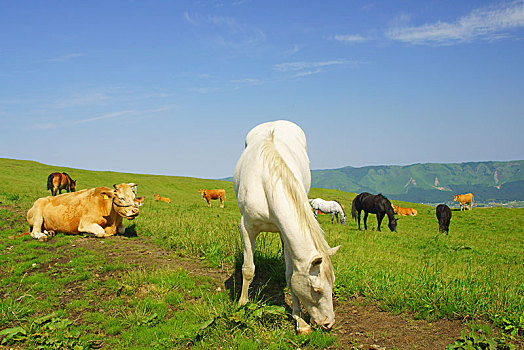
430 183
92 297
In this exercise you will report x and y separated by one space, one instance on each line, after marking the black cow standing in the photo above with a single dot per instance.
443 217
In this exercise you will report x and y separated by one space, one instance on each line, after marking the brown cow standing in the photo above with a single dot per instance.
96 210
208 195
404 211
464 199
162 199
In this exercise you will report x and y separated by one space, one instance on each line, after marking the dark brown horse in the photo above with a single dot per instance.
373 204
56 182
443 217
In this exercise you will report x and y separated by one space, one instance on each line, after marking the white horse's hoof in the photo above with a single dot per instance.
302 326
304 330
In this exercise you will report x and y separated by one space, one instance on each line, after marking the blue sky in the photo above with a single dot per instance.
173 87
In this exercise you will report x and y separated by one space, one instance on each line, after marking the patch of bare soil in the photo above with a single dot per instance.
360 324
364 325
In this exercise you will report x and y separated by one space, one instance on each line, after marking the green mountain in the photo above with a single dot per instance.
430 182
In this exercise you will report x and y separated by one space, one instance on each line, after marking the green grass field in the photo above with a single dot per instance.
60 295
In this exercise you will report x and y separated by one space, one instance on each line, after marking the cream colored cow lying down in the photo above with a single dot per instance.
96 210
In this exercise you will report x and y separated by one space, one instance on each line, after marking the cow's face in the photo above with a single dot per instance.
72 186
124 200
455 199
202 192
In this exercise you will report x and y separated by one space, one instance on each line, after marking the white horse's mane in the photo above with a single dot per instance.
341 207
279 170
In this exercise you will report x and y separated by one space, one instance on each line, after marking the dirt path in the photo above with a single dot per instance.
360 323
366 326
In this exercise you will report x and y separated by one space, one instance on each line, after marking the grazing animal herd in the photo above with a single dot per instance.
272 181
98 211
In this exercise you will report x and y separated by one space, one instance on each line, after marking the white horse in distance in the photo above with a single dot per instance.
272 180
333 207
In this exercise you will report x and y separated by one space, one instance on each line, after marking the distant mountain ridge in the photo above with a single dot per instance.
491 181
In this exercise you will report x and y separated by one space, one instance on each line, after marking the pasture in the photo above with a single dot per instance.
173 280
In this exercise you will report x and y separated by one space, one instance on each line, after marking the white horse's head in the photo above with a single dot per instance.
313 285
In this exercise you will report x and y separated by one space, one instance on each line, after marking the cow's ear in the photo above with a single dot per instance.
107 194
108 202
133 186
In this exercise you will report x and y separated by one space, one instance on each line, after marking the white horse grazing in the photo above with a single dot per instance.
333 207
272 180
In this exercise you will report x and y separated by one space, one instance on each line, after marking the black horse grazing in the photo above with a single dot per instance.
374 204
443 217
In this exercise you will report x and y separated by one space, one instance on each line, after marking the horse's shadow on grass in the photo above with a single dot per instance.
268 284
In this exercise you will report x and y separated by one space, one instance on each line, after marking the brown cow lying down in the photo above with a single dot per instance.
139 201
404 211
162 199
96 210
214 194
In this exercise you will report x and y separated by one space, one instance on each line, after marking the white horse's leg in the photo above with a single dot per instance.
302 326
248 268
